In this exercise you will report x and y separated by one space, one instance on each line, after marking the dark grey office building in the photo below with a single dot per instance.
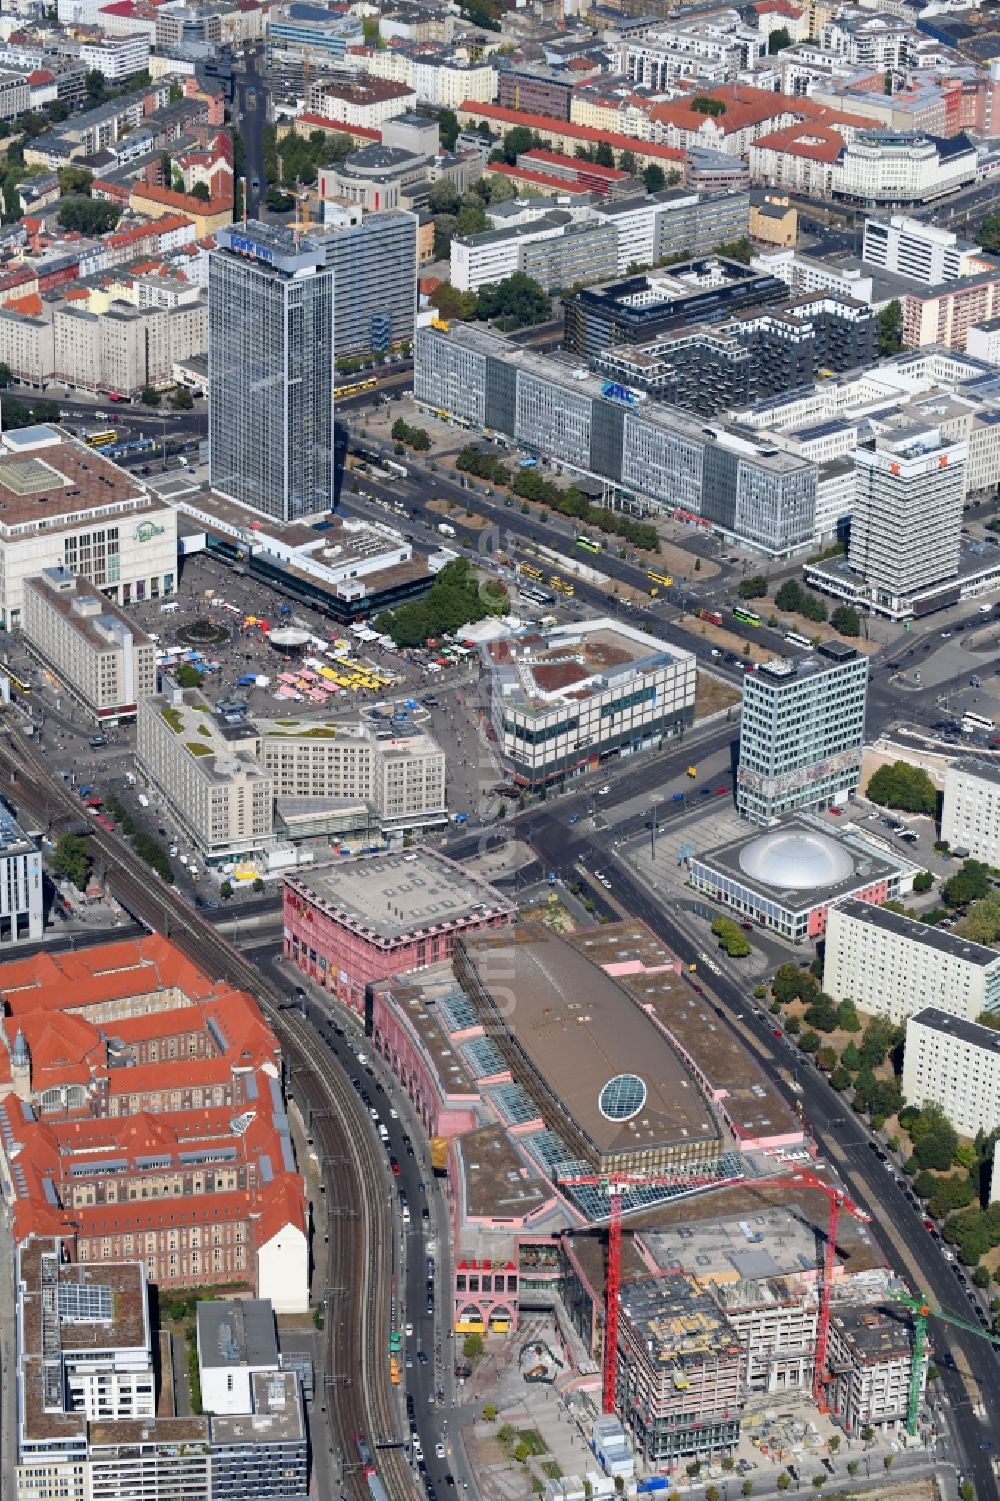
643 308
270 371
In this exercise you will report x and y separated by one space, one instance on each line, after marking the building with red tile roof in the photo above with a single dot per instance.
564 136
141 1115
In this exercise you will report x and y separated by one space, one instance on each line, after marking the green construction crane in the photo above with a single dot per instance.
922 1311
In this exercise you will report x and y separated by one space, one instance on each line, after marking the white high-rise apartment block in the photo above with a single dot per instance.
907 524
802 731
970 815
907 247
892 966
955 1064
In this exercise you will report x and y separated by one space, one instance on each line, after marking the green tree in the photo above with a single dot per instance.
899 785
966 1491
75 180
789 596
517 301
88 216
754 587
604 156
149 396
966 885
181 399
653 179
45 411
444 197
936 1149
846 620
95 85
851 1058
731 938
6 375
840 1079
792 984
989 233
453 304
226 890
448 128
778 40
471 218
890 328
186 676
201 192
746 1489
809 1042
847 1016
490 1412
472 1346
784 1480
516 141
822 1013
71 860
923 881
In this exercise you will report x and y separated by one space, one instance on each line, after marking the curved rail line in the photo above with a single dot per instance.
354 1379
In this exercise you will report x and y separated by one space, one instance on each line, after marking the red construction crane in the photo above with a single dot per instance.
615 1185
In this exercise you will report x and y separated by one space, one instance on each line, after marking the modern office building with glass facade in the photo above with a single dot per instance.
801 732
663 457
271 371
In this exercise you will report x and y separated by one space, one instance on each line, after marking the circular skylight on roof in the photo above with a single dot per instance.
622 1097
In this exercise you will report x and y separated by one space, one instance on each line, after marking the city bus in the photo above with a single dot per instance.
794 639
588 544
529 571
744 616
101 439
16 682
972 724
561 584
664 580
355 387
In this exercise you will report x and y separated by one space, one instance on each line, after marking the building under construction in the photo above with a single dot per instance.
681 1370
871 1361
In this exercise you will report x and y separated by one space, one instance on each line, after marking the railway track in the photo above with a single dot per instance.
356 1391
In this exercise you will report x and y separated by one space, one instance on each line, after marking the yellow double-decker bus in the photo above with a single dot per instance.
101 439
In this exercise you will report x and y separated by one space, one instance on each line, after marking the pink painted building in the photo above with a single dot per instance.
350 924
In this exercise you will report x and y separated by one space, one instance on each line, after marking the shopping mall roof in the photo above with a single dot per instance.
587 1053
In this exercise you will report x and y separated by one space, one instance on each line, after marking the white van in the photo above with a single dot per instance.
169 608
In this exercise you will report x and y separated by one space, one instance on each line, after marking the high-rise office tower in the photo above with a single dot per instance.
907 522
271 371
801 733
374 262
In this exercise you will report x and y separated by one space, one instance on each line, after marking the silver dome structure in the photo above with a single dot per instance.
796 860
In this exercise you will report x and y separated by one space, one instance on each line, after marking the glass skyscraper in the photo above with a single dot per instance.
271 371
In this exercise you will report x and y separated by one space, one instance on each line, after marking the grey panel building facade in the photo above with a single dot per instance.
374 266
658 454
583 252
270 371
